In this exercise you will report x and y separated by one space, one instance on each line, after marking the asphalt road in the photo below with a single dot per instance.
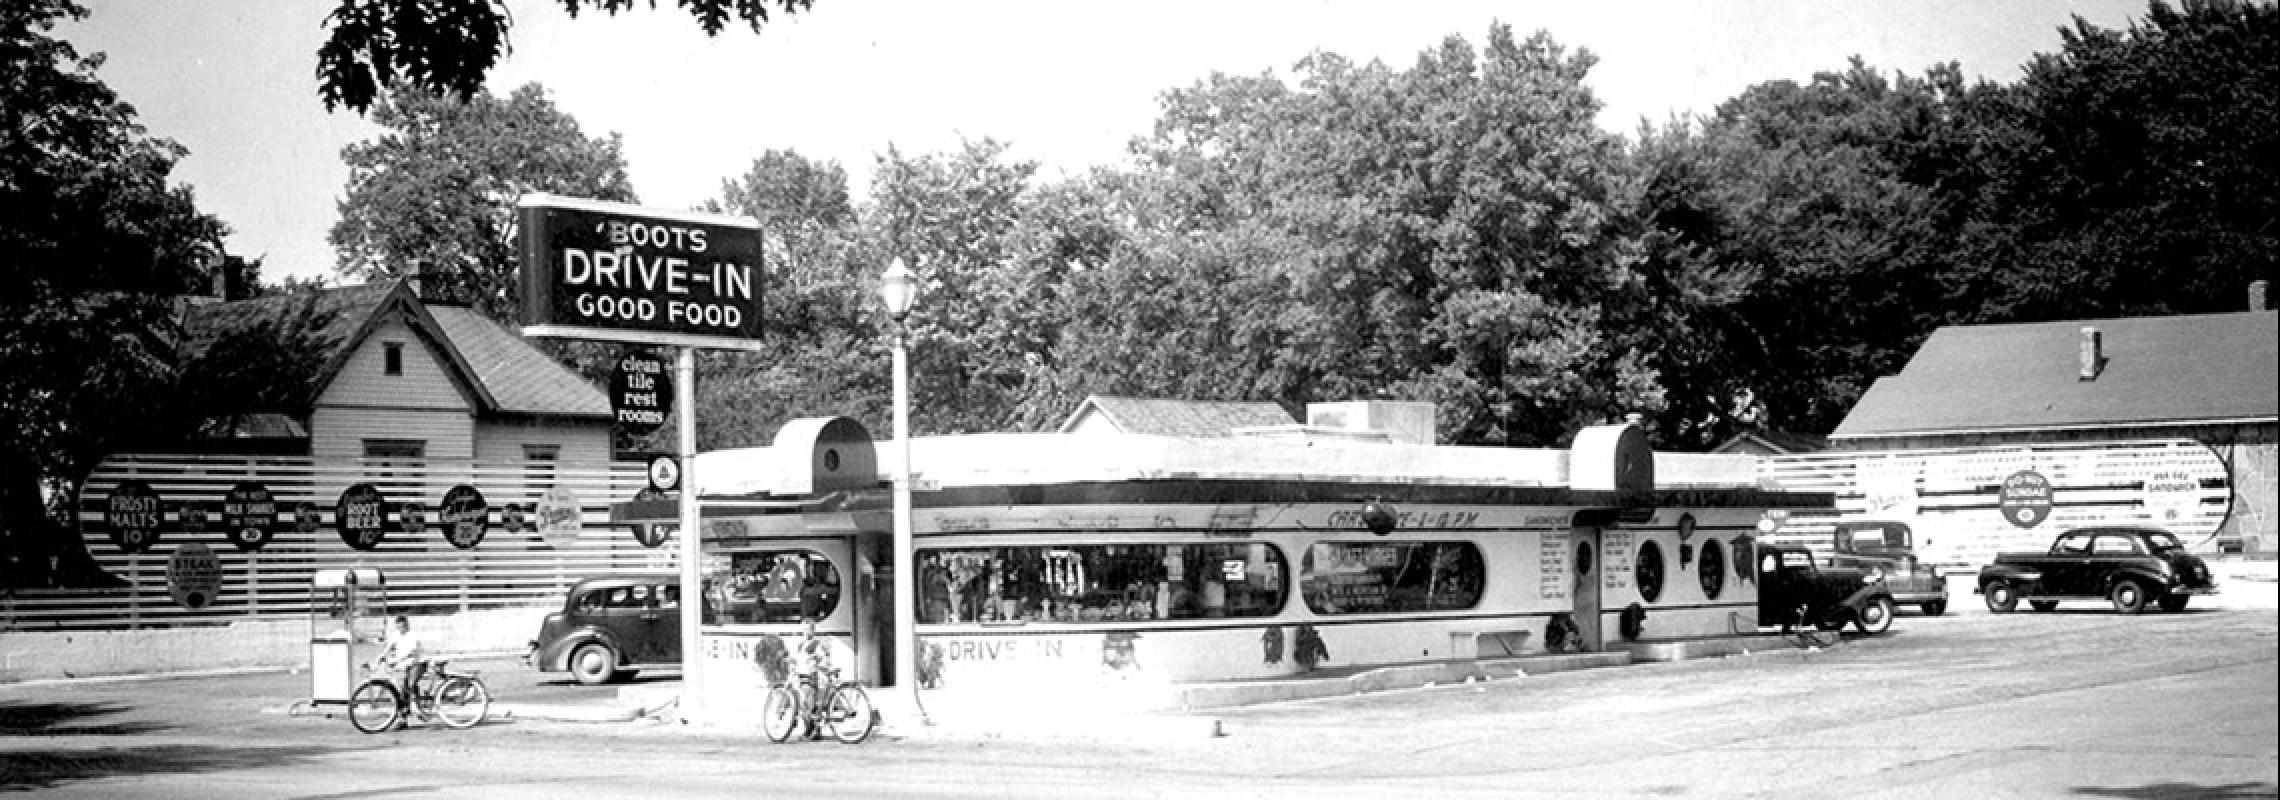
2078 703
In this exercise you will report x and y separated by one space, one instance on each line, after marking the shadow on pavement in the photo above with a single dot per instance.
2182 791
33 770
63 719
27 766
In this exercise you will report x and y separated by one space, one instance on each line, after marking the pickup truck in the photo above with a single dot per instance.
1888 548
2126 566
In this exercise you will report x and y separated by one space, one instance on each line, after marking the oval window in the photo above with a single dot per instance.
1713 566
1649 571
1582 558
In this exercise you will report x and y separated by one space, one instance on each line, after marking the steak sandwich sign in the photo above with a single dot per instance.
610 271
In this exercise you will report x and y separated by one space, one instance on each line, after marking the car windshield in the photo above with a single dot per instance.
2163 543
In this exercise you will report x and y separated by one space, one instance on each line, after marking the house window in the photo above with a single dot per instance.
392 358
387 458
539 461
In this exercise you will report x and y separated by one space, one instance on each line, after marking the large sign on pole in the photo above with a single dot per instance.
616 272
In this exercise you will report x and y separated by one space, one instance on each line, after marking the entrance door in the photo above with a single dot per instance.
1585 594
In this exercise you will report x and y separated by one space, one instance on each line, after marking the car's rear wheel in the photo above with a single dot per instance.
2043 605
2128 597
1874 618
593 664
1935 608
2001 597
2174 603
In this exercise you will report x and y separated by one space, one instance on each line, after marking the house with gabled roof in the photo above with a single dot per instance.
1156 417
406 379
1993 437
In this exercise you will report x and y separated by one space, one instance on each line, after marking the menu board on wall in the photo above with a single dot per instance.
1616 550
1552 567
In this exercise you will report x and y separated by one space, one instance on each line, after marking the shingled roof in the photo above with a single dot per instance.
1178 417
2179 370
505 373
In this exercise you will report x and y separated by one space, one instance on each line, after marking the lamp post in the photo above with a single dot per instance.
897 289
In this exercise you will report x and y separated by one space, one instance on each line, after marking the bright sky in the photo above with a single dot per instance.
1067 84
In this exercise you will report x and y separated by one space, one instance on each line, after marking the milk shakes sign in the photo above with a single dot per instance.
610 271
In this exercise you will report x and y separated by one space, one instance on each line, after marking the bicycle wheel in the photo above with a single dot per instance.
375 707
849 714
780 717
462 701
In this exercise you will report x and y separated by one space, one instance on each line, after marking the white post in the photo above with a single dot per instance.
692 577
905 551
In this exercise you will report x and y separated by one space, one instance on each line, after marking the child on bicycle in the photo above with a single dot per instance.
401 653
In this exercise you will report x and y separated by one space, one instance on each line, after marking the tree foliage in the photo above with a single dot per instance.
435 195
447 48
95 246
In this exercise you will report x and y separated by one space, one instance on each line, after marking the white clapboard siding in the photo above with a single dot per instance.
1949 497
424 572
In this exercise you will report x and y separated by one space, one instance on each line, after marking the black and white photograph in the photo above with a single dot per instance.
501 399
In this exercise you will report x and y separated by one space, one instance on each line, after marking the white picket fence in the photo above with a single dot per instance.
514 565
1950 497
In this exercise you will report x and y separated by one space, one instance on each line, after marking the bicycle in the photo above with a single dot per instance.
459 699
846 710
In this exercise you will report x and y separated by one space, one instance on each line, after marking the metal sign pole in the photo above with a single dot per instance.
692 539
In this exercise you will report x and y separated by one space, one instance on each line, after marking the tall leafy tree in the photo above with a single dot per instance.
2137 170
826 353
449 47
1452 232
435 194
95 247
952 217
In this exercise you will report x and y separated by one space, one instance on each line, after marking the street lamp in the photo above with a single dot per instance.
897 289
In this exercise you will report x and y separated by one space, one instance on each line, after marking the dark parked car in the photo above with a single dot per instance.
1796 589
1890 547
2126 566
610 627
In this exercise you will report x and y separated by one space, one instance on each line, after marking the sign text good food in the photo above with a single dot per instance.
616 272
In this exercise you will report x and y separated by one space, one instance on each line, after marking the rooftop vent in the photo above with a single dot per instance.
2093 353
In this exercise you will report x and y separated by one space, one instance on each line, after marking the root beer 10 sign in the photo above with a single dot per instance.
616 272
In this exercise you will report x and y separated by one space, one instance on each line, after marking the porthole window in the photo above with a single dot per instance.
1713 567
1649 571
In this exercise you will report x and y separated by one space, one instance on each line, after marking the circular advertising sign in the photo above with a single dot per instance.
249 515
650 534
2026 498
560 518
362 516
664 473
133 512
466 517
193 576
641 396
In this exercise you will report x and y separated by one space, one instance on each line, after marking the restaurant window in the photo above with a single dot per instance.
1391 577
1712 564
771 586
1100 583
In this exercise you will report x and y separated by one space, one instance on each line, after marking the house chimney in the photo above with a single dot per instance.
414 279
2256 295
2093 353
1635 419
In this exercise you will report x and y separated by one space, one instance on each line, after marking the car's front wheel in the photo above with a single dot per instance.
593 664
1874 618
2001 597
2128 597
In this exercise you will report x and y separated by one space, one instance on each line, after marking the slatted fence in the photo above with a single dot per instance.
516 563
1951 498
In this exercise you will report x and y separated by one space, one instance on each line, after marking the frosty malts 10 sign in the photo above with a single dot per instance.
616 272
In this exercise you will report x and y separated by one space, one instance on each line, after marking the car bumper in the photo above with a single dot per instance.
2193 590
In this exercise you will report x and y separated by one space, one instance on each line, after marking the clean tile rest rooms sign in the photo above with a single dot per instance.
598 270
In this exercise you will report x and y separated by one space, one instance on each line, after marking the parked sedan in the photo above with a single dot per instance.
611 627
